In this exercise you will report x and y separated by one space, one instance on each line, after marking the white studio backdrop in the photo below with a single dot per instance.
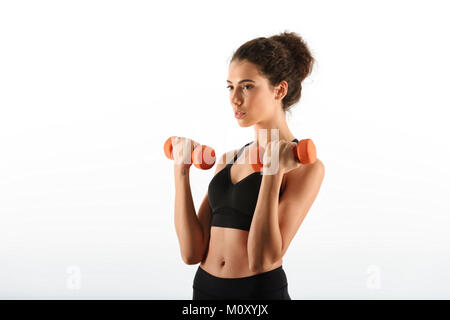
90 90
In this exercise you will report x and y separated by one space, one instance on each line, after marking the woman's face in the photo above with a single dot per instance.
253 96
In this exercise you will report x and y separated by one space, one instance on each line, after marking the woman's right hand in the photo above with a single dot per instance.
181 151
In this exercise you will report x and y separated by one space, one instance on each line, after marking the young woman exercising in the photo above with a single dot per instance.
247 219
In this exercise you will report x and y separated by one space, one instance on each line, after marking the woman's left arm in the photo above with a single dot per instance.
275 222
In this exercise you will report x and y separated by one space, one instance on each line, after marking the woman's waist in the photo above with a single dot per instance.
232 268
226 258
244 285
230 261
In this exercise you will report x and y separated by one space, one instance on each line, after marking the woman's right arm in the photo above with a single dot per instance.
192 230
187 225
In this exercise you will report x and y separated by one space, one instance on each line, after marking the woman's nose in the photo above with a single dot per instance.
235 99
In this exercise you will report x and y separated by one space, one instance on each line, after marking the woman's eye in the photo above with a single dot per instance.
248 85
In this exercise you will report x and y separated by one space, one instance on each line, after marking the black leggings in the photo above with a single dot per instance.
267 285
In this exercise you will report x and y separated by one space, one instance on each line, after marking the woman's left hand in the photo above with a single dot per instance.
280 151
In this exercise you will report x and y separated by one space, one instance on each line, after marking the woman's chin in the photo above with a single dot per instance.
244 124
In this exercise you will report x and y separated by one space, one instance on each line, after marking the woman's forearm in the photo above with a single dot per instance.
187 225
264 241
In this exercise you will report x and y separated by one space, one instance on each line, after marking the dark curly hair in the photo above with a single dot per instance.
285 56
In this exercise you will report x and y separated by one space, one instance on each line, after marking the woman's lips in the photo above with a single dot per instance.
239 115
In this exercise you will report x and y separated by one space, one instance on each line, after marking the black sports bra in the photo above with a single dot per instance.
233 205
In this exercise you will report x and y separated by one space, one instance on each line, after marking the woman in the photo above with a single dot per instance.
247 219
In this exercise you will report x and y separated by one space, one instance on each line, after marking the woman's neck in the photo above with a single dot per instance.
265 133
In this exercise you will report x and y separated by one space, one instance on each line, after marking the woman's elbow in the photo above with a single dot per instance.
260 266
190 260
255 267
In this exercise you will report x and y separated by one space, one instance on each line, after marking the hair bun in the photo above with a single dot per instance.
298 50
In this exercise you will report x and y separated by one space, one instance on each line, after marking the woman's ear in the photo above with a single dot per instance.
281 90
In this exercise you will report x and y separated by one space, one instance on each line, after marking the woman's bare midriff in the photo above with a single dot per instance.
226 256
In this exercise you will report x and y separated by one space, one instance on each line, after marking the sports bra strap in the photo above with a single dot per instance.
239 153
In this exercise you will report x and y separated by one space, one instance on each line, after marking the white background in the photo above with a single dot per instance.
90 90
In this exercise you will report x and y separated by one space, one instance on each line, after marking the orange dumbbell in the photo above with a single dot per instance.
203 157
304 152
